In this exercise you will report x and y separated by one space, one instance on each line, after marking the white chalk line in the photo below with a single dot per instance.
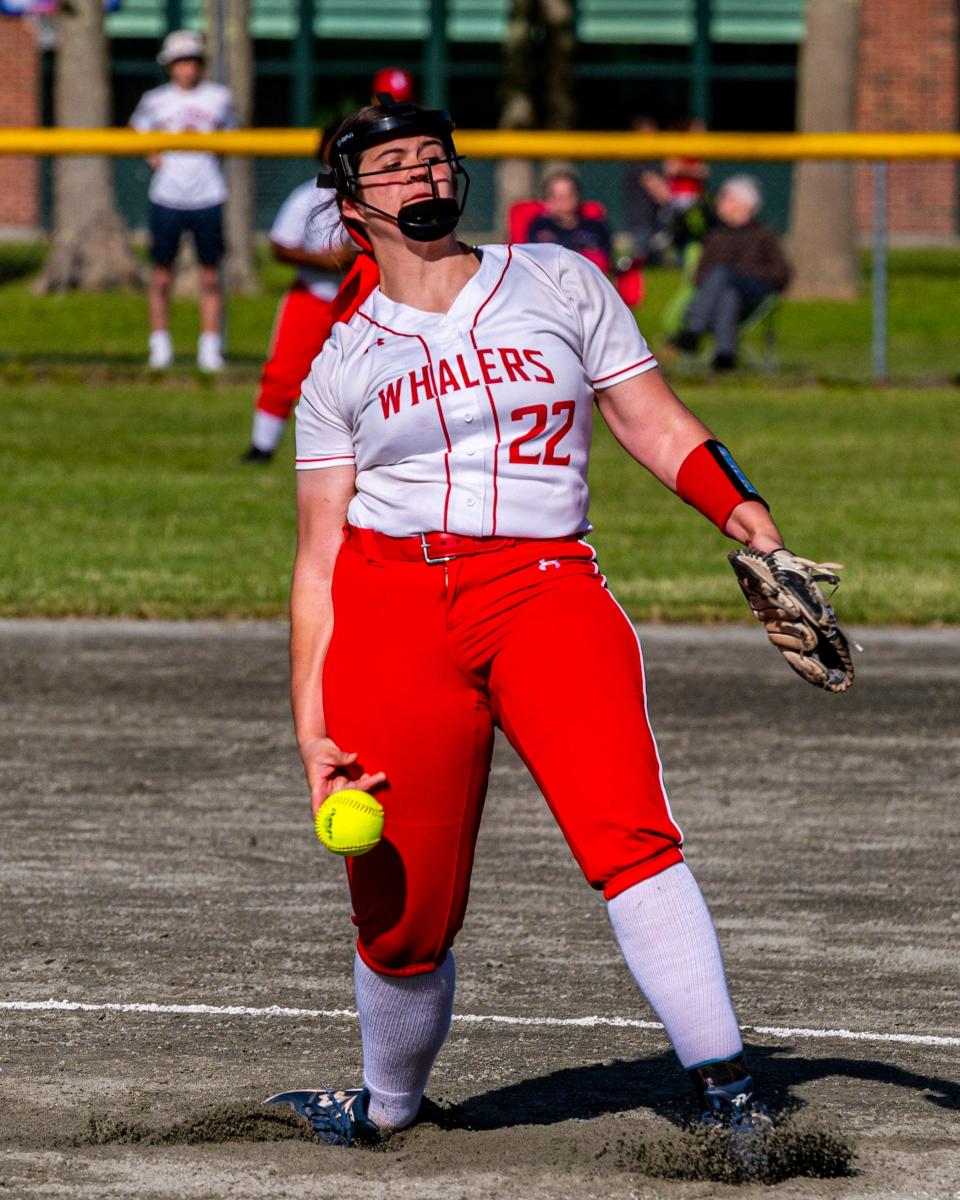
350 1014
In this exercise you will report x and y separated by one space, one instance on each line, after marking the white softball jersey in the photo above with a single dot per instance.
477 421
186 179
309 219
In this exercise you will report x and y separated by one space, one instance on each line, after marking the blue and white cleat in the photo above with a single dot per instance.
338 1118
725 1089
729 1110
732 1106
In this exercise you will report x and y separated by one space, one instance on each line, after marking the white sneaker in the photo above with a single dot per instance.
209 357
161 351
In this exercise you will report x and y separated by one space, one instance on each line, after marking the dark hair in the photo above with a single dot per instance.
355 122
317 217
327 134
360 121
687 123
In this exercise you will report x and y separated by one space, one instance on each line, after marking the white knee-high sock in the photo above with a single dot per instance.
667 937
404 1020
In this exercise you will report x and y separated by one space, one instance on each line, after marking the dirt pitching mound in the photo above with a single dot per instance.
225 1123
785 1152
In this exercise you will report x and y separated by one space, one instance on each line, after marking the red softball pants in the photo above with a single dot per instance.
302 325
425 661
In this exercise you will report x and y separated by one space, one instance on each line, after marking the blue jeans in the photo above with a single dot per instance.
721 302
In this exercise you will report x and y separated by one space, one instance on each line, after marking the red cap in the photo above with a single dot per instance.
395 81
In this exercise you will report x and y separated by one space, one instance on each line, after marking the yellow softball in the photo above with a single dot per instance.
349 822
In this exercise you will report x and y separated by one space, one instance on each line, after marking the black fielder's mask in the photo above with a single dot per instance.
422 220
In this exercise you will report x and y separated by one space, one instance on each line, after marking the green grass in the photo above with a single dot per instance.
80 330
122 494
818 341
868 478
832 342
127 498
131 500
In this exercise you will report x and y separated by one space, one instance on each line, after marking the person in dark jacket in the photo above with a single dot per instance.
566 223
647 202
742 263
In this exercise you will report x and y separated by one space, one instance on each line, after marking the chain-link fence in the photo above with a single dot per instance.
923 165
601 180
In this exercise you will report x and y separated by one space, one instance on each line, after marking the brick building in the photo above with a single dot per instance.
908 81
19 106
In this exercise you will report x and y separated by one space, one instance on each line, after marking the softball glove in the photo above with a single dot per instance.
784 594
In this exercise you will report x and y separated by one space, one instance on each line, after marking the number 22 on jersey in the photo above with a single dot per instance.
540 416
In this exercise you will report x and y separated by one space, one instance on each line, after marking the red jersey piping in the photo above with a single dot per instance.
493 407
613 374
436 396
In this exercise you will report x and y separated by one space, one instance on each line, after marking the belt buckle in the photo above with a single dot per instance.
426 553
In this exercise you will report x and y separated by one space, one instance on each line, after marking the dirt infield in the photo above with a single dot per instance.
156 850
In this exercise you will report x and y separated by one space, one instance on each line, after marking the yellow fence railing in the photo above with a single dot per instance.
878 148
505 143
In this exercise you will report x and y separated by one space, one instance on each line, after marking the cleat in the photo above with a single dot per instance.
254 455
732 1106
338 1118
730 1111
725 1090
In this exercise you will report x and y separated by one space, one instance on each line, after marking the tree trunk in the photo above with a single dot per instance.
823 235
91 247
559 49
231 60
514 177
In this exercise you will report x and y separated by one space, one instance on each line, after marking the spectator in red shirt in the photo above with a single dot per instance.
687 177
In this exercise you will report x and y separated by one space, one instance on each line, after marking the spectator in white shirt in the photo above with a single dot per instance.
187 192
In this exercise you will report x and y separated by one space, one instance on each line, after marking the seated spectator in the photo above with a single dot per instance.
686 177
742 263
647 202
565 223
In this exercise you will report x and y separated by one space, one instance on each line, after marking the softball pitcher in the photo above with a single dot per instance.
444 588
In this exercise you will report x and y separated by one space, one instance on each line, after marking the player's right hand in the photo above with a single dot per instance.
328 770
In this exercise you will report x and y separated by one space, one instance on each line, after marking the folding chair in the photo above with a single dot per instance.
762 321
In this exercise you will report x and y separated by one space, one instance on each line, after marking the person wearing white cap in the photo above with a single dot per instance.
187 192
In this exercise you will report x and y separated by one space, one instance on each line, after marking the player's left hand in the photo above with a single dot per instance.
783 591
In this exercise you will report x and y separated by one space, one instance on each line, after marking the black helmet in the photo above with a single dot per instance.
423 220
